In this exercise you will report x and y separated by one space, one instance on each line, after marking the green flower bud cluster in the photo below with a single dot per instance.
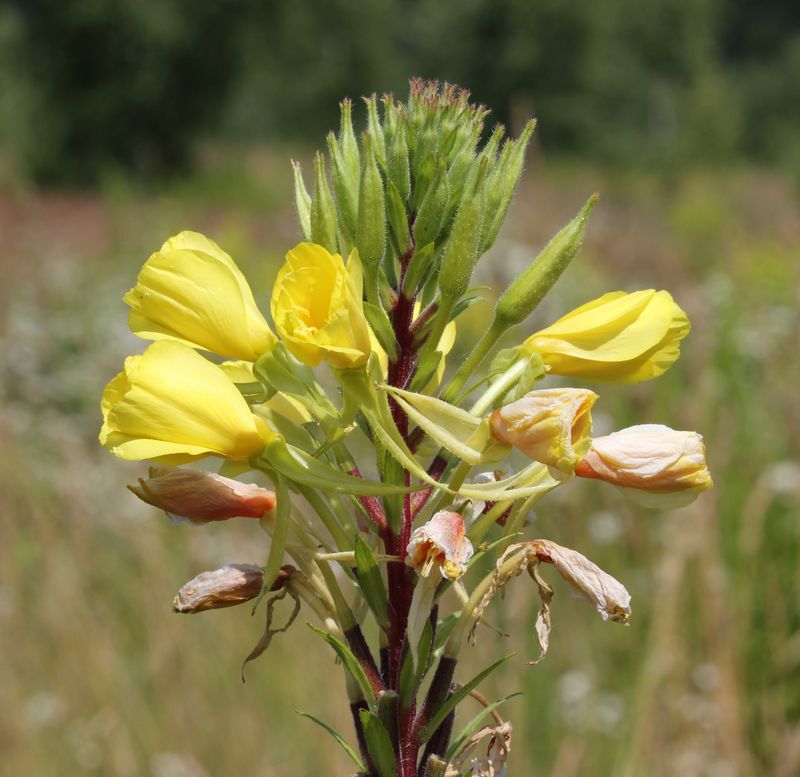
417 183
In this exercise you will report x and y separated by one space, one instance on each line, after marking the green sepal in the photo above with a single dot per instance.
371 582
379 743
360 395
346 190
338 737
472 726
433 207
534 371
375 129
280 530
382 328
455 429
350 663
421 264
303 468
456 698
533 479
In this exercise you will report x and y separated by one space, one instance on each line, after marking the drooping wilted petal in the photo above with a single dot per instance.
224 587
202 497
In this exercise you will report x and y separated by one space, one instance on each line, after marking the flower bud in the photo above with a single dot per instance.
461 251
528 289
375 130
619 337
202 497
552 426
434 205
371 232
323 210
661 466
346 189
442 543
302 201
397 165
347 140
193 292
224 587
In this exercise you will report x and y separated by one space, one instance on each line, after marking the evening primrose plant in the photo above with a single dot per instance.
384 491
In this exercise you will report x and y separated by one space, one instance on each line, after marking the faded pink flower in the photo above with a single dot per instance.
441 542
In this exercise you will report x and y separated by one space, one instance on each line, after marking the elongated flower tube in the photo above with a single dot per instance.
192 291
619 337
318 310
440 543
553 426
170 404
656 464
202 497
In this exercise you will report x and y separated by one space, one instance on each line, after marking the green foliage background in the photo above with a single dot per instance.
90 86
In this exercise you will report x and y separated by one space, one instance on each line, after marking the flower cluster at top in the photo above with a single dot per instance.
373 292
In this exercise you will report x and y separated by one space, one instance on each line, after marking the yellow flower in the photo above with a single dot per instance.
619 337
192 291
172 405
552 426
657 465
318 309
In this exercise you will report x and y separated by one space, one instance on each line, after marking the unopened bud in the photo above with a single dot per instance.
323 210
346 189
202 497
302 201
371 232
347 140
528 289
461 252
397 165
433 208
224 587
375 130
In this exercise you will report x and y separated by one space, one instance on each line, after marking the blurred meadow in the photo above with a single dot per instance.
685 121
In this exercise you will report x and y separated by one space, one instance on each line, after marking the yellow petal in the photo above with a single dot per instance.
172 402
192 291
618 337
318 309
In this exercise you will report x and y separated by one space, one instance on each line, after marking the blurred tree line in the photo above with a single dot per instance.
92 85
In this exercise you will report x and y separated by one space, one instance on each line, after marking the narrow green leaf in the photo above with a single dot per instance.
472 726
280 531
457 698
350 662
379 743
338 737
398 219
382 328
419 267
371 582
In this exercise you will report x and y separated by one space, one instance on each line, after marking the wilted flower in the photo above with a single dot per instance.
192 291
202 497
658 464
441 542
172 404
619 337
552 426
224 587
605 592
318 310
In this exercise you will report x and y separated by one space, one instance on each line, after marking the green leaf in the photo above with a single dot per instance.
426 368
379 743
280 531
303 468
398 220
456 698
349 750
371 582
533 479
382 328
443 630
350 662
468 730
411 677
419 266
